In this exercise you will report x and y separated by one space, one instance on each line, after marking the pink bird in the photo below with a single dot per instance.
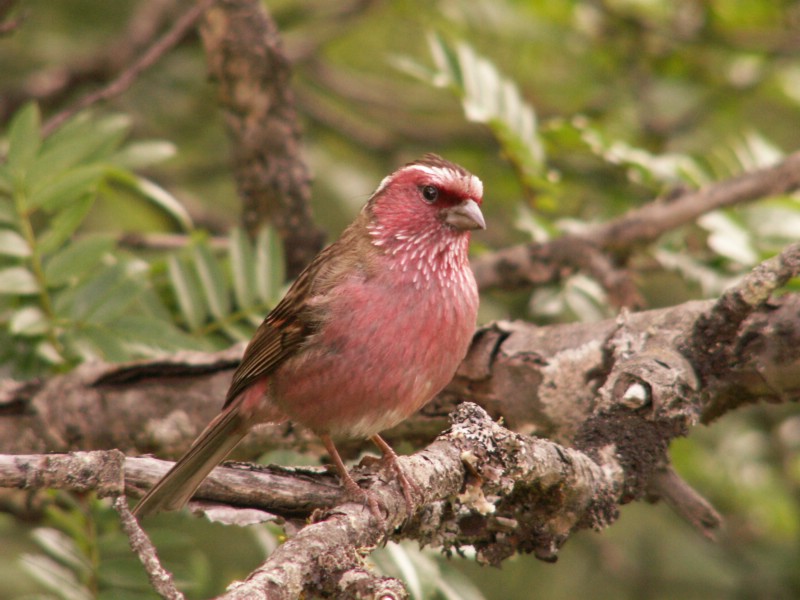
369 332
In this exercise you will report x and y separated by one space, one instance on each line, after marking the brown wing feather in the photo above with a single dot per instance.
278 337
292 321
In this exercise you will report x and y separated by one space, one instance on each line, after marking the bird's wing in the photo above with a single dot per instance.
285 328
299 314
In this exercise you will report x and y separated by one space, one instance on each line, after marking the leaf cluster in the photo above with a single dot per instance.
570 111
68 295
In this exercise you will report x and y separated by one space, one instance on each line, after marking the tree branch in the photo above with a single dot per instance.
8 25
160 578
246 58
534 264
127 77
715 345
541 380
625 387
471 480
667 485
52 85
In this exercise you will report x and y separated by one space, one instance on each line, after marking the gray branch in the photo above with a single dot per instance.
536 264
246 58
497 489
160 578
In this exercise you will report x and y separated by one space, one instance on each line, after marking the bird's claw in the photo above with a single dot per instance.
391 461
409 486
368 498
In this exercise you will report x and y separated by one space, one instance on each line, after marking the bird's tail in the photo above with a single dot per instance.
207 451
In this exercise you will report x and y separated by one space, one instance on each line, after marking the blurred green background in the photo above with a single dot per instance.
571 112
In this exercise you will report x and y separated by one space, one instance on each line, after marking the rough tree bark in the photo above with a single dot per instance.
600 249
609 396
540 380
246 59
613 394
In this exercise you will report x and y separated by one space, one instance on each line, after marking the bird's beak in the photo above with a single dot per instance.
465 216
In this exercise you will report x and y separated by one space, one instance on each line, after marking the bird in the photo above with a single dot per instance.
373 328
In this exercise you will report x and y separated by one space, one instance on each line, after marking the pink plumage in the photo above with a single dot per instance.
372 329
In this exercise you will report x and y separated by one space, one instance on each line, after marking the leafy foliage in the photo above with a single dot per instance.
227 300
66 301
69 296
487 97
424 573
595 108
78 531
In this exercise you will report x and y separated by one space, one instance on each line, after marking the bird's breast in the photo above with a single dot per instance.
384 348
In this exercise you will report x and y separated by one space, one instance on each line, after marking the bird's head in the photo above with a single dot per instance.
430 199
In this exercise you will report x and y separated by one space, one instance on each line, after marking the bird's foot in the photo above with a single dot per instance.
366 497
390 461
409 486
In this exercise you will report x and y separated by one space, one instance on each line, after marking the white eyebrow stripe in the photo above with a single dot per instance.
384 182
477 185
440 174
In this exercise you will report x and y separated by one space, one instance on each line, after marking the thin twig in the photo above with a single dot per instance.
125 79
160 578
536 264
668 486
166 241
246 57
52 85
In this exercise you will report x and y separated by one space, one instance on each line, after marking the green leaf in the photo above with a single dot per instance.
490 98
212 281
82 140
187 292
270 270
55 577
401 557
13 244
76 260
416 70
17 280
237 332
47 352
728 237
6 182
151 304
644 166
446 60
254 318
24 137
243 268
106 296
62 548
585 298
774 223
137 155
140 332
96 342
8 214
155 194
29 321
710 281
67 187
64 224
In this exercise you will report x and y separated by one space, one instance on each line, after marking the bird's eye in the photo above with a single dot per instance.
430 193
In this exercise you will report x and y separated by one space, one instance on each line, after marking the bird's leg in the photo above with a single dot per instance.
350 486
390 459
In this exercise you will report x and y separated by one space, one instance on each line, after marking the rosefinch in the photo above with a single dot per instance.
369 332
